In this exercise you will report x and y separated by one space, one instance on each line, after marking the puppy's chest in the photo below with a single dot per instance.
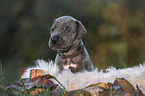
69 63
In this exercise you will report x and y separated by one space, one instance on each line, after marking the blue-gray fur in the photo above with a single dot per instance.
66 38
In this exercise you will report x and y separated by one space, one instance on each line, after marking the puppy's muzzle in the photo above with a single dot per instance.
55 38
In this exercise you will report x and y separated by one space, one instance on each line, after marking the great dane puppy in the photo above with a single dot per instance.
66 37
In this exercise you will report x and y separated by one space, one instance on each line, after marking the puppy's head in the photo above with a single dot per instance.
64 31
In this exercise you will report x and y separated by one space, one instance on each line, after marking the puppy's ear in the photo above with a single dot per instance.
81 30
53 20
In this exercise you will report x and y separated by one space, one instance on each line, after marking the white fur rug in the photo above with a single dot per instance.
135 75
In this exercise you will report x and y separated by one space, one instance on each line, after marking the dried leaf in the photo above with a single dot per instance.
41 81
125 85
48 76
31 84
111 92
139 92
110 84
120 87
36 91
101 85
80 92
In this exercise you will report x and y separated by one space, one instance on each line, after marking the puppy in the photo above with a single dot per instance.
66 37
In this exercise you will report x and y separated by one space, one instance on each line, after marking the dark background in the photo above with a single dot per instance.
116 31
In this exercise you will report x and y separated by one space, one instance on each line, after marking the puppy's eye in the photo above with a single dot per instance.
66 29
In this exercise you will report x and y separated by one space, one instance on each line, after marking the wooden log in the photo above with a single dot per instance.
21 72
35 73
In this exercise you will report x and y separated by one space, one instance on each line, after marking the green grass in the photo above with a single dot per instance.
17 92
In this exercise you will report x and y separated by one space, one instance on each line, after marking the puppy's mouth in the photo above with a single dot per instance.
60 45
61 49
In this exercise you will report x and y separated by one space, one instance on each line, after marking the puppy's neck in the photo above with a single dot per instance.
74 50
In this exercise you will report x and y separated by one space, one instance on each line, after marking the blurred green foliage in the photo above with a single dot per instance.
115 31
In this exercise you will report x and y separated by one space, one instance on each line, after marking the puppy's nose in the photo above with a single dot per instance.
54 38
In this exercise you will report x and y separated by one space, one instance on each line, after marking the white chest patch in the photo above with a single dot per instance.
68 66
69 63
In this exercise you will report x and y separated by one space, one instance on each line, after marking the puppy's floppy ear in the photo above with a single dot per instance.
81 30
53 20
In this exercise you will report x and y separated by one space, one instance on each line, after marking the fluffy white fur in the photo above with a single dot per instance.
48 67
135 75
